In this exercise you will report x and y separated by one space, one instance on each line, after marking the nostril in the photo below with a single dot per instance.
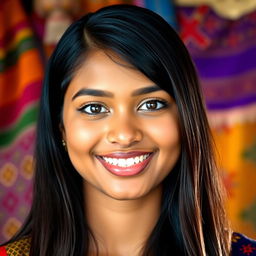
124 138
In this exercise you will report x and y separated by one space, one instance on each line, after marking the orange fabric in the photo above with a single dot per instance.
15 79
10 6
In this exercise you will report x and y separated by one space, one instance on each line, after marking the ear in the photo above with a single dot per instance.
62 130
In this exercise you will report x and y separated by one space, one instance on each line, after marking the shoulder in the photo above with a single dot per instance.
242 245
18 248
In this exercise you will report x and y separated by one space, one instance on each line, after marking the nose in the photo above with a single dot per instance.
124 131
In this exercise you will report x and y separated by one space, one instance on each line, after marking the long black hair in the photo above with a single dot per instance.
192 220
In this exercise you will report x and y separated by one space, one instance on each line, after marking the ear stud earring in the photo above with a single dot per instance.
64 144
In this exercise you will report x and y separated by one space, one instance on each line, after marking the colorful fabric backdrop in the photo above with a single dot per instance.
224 52
20 83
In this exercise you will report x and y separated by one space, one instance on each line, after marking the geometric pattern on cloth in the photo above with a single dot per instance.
19 248
242 245
16 181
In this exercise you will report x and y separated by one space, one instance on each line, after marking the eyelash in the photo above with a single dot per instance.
93 104
158 102
154 101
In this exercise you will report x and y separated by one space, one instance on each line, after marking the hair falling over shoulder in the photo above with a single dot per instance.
192 220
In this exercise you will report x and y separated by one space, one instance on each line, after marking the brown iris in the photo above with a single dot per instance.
151 105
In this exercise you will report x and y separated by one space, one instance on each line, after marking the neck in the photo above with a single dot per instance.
121 227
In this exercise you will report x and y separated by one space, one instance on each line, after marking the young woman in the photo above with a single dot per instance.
124 161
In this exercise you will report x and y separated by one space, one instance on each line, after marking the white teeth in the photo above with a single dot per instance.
126 162
129 162
115 161
121 162
109 160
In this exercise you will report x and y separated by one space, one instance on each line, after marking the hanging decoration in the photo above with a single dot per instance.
58 15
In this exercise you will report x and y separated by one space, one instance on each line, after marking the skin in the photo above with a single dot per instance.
117 208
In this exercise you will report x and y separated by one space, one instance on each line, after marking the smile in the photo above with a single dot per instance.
124 164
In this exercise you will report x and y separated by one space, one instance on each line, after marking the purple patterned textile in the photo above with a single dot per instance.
224 52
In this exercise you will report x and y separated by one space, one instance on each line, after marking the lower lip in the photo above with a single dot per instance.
126 171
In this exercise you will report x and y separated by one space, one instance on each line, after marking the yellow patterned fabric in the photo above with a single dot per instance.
237 158
19 248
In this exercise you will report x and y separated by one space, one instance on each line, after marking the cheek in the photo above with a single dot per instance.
166 136
81 135
165 133
81 139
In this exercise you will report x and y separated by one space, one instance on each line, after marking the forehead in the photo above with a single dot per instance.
105 70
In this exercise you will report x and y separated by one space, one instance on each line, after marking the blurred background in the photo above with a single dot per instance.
221 38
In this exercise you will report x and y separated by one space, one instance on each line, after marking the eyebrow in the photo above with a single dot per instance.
145 90
93 92
102 93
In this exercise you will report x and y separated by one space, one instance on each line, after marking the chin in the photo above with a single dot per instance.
125 195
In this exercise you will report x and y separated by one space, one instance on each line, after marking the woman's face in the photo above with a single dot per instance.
121 130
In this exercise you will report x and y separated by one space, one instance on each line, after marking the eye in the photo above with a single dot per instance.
94 109
153 105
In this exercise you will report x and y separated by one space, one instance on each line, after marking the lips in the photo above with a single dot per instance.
125 164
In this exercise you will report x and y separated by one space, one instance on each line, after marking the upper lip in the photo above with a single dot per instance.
125 154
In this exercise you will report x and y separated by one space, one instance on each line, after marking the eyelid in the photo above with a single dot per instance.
92 102
83 106
164 102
